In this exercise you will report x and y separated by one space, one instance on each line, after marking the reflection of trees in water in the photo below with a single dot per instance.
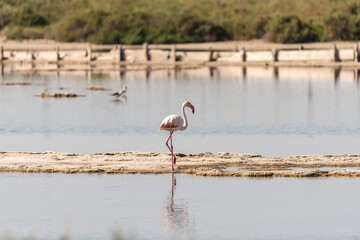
179 225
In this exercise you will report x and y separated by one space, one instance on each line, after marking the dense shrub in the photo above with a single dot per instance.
27 17
159 21
80 26
4 18
290 29
193 28
18 32
342 26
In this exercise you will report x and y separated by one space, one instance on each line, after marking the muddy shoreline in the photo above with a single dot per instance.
201 164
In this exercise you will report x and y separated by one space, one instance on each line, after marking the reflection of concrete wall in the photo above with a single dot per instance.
230 72
340 76
317 74
192 74
259 72
347 77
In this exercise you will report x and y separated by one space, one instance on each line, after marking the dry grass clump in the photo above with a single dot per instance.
97 88
16 84
59 95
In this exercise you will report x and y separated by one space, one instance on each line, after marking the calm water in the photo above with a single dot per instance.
48 206
274 112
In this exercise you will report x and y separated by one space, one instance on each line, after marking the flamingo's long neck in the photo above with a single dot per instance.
185 119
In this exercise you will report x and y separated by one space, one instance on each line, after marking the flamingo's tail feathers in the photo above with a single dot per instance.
161 127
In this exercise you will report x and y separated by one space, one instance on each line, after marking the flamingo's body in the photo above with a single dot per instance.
174 123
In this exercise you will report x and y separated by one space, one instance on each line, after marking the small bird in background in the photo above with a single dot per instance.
120 93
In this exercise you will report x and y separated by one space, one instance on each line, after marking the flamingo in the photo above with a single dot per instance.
174 123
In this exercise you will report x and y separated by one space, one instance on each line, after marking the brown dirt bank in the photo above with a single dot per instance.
202 164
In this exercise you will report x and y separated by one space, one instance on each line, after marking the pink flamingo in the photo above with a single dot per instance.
173 123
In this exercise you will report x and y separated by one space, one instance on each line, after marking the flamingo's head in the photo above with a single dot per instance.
188 104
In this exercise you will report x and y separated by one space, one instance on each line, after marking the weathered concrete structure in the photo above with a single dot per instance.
158 55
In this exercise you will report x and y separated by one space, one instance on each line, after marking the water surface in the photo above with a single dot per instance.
261 110
89 206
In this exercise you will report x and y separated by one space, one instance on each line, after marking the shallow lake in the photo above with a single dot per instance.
261 110
48 206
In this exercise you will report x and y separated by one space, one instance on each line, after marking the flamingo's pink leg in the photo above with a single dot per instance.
172 154
172 150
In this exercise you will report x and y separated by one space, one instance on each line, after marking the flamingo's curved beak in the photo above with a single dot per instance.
192 108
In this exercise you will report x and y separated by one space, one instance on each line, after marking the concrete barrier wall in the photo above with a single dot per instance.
135 56
259 56
195 56
46 56
73 55
228 57
170 55
159 55
346 55
18 55
306 55
113 55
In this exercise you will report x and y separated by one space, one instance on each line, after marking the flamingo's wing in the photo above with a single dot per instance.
171 122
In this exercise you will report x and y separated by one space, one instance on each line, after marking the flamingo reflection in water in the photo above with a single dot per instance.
179 224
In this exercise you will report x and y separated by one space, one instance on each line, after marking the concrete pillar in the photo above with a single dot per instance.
243 55
356 52
275 54
1 53
88 53
32 55
146 51
212 56
335 53
121 53
57 54
173 53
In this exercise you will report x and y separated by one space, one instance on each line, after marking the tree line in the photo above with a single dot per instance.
180 21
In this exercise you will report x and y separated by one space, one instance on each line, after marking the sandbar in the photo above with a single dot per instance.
221 164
